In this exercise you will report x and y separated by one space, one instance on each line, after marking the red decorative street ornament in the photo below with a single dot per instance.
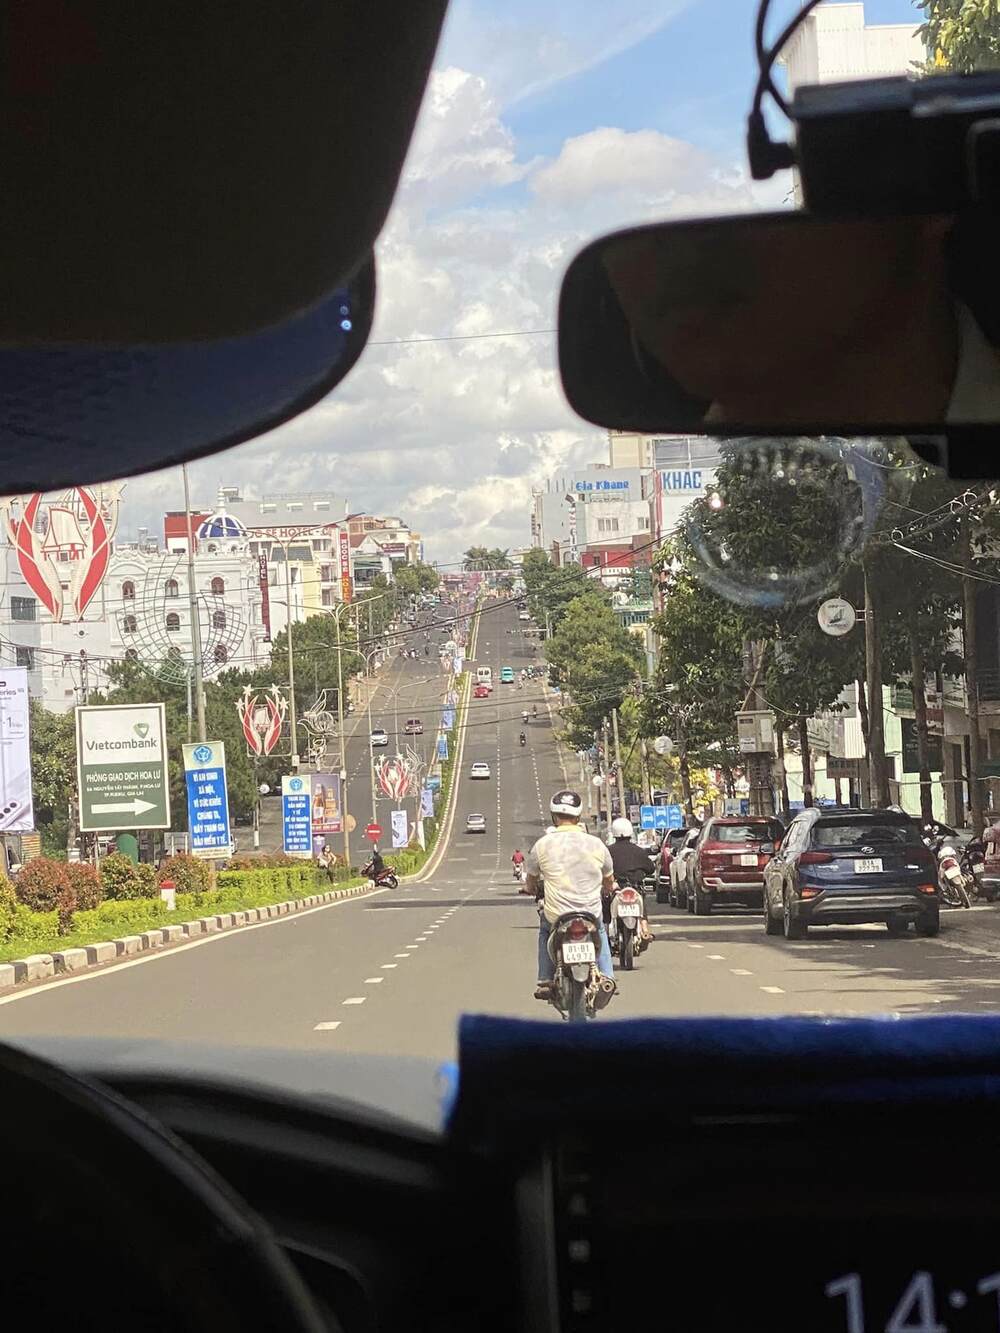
262 718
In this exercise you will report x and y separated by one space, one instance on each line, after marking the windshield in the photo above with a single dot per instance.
856 834
225 686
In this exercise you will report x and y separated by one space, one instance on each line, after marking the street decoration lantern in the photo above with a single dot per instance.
262 718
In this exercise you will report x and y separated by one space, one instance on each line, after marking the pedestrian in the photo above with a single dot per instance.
326 861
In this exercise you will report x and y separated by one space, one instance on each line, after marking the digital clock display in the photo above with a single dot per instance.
923 1304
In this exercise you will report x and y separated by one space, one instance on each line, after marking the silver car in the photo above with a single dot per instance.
475 824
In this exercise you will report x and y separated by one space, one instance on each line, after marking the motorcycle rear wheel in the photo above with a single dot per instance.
577 1002
626 949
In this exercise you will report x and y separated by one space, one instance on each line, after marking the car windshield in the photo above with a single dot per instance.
739 833
861 833
224 685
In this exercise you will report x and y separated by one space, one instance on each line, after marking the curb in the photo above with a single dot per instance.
62 962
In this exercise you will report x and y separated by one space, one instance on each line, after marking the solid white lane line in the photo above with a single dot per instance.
356 999
374 981
326 1027
773 990
741 972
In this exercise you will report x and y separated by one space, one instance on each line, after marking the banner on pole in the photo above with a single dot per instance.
207 799
400 828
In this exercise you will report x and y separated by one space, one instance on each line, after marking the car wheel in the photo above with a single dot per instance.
687 901
897 925
772 924
928 923
702 902
792 927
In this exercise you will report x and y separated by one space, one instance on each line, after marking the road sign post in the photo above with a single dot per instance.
207 799
121 767
296 814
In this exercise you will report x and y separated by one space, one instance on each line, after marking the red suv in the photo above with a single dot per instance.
728 862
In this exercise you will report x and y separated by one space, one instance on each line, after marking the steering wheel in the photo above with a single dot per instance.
110 1221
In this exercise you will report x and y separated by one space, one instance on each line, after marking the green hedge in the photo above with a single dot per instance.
23 931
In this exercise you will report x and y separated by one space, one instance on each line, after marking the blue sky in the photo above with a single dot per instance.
546 123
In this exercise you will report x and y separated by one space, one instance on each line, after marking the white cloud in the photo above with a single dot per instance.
452 435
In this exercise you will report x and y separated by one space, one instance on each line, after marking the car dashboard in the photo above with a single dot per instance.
716 1189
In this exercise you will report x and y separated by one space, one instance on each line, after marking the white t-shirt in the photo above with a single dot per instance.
573 865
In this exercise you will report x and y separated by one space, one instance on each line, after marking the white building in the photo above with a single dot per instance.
834 44
596 505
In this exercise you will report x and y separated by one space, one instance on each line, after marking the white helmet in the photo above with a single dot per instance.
621 828
566 803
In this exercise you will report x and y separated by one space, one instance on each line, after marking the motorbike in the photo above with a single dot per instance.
519 873
950 877
385 879
626 915
973 863
578 989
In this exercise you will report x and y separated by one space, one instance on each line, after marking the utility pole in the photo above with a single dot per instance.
291 661
970 634
606 749
878 776
199 687
343 752
647 789
618 764
759 764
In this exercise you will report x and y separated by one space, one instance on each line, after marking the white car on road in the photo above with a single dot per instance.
480 769
379 737
475 824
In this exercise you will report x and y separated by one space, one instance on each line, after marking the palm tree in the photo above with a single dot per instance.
476 558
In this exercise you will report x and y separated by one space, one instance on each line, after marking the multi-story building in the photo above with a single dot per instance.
394 538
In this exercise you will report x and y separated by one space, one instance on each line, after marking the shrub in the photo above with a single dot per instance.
65 907
40 883
188 873
8 909
85 883
119 877
147 883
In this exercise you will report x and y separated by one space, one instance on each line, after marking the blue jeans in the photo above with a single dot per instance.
546 967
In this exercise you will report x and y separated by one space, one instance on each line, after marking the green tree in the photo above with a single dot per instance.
961 35
595 661
53 773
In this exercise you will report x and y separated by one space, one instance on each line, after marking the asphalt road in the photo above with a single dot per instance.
391 972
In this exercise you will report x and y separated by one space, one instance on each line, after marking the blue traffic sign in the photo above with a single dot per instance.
296 815
207 799
647 817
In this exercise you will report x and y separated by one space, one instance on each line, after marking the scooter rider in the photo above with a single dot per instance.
376 866
631 865
517 861
575 868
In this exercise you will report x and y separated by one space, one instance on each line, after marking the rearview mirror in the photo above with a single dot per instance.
782 323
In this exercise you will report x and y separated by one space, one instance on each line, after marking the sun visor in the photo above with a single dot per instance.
81 413
198 169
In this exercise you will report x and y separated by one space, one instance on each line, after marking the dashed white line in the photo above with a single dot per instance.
741 972
400 955
773 990
374 981
388 965
326 1027
356 999
693 946
717 957
411 946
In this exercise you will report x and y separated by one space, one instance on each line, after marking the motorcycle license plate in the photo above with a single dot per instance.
578 953
952 873
628 913
869 866
747 859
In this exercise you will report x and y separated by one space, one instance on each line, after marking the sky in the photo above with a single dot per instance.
544 124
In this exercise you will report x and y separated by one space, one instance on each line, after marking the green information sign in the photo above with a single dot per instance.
121 767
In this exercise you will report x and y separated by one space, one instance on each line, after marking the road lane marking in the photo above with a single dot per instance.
374 981
421 939
773 990
717 957
460 858
155 955
388 965
741 972
326 1027
356 999
385 909
693 946
400 955
411 946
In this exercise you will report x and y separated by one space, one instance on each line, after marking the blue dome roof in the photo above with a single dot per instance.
221 525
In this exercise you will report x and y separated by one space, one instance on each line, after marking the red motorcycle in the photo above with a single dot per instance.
386 878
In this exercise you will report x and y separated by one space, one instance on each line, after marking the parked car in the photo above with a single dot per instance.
678 894
523 615
671 844
481 692
413 727
480 769
728 861
475 824
379 737
846 867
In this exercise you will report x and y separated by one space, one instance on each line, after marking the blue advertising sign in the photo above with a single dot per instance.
207 799
296 814
647 816
433 782
426 802
448 719
442 750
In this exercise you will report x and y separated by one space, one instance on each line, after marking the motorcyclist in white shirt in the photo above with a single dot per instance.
575 868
